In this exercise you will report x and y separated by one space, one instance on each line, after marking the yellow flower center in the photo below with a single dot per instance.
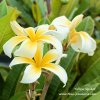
52 27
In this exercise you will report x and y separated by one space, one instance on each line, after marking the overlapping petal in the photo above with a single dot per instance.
82 42
31 33
27 49
31 74
60 32
50 56
54 41
76 21
58 70
12 43
61 21
39 53
42 29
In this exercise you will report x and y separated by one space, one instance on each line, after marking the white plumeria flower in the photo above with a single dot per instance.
79 41
34 69
82 42
29 38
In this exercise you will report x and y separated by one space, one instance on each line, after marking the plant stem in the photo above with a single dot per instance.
31 94
46 85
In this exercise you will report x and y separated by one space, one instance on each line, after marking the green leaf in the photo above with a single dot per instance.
36 12
5 29
70 83
64 1
42 6
4 72
91 73
39 10
94 7
83 7
3 8
44 21
87 61
56 5
11 82
58 8
95 97
19 96
28 3
1 83
71 6
86 25
27 16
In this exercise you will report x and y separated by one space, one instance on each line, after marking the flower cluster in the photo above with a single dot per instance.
28 46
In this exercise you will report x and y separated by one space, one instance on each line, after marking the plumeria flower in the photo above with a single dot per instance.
61 26
28 40
39 63
82 42
79 41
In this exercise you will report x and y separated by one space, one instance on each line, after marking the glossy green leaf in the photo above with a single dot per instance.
11 82
3 8
5 28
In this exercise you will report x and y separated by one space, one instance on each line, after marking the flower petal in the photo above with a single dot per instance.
30 32
88 44
39 53
60 32
54 41
11 44
21 60
58 70
50 56
27 49
42 29
31 74
83 43
17 28
76 42
76 21
62 21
